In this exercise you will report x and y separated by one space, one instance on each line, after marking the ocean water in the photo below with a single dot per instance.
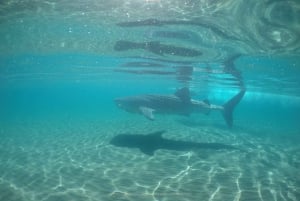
63 63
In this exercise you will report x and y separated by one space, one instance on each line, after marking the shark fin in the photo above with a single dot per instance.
153 139
183 94
147 112
229 107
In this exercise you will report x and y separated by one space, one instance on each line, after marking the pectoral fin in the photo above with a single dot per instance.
147 112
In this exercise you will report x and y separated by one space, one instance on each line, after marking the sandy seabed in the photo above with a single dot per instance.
73 160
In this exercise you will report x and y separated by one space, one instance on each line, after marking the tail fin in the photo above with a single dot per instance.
229 107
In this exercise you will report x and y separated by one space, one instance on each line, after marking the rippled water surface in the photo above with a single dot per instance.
215 27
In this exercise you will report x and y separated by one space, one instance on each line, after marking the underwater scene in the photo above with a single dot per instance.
154 100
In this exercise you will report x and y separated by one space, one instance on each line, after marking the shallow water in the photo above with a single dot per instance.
60 72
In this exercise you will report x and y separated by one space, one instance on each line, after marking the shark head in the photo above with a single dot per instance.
132 104
125 104
119 103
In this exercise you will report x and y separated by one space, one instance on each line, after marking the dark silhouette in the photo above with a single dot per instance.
151 142
230 68
141 23
165 61
145 72
142 64
157 48
180 35
195 22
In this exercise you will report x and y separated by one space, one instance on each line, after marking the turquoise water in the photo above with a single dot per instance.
63 63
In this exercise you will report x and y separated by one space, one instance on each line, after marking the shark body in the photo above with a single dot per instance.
179 103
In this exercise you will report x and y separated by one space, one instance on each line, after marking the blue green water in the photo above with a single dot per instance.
60 72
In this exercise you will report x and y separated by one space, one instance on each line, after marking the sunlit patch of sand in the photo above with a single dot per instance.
74 161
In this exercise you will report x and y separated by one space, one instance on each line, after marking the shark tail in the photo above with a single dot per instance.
229 107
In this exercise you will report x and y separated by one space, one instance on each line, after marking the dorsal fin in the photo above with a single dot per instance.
153 142
183 94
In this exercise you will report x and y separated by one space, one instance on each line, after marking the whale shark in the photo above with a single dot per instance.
151 142
179 103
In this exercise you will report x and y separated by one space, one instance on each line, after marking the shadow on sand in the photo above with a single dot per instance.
151 142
